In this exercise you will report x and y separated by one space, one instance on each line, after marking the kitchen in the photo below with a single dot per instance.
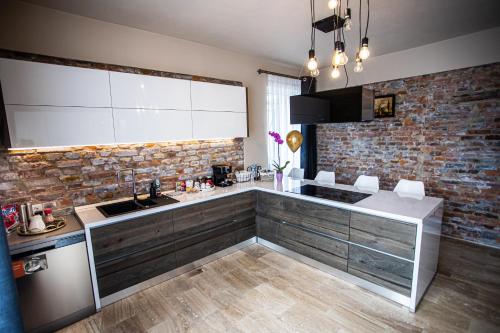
148 159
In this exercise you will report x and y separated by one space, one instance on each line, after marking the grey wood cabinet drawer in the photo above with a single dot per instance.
135 268
326 244
387 271
208 242
314 253
120 239
386 235
329 217
267 228
204 216
324 219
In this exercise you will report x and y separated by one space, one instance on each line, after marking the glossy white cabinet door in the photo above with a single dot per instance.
143 125
219 125
149 92
218 97
33 83
43 126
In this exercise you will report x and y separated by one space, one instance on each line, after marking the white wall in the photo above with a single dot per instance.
29 28
465 51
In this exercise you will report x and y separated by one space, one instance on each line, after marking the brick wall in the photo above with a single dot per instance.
446 132
85 175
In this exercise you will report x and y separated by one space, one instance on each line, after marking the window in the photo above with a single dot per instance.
279 89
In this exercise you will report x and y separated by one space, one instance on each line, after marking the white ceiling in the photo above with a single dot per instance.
280 29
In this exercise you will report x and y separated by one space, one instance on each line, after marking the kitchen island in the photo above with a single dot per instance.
385 243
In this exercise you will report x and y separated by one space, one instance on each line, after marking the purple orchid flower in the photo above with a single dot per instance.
277 165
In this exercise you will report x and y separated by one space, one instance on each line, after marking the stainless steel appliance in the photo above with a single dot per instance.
53 283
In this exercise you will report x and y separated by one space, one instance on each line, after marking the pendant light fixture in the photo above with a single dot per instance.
332 4
312 64
339 25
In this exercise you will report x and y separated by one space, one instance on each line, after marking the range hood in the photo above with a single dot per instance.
353 104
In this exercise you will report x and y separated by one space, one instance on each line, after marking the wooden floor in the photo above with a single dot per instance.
259 290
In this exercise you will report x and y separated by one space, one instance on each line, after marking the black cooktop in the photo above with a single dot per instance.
330 193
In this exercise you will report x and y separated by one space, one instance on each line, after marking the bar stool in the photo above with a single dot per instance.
325 177
367 183
296 173
410 188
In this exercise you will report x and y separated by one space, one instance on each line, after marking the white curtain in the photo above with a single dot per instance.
279 90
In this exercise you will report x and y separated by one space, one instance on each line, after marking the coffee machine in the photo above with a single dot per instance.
221 172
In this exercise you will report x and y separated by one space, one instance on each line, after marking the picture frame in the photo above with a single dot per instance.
384 106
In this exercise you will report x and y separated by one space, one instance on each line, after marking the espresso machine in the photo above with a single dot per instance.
221 173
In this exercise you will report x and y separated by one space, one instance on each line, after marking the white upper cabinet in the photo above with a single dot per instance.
43 126
149 92
219 125
218 97
33 83
142 125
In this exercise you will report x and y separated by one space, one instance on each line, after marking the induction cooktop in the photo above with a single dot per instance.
334 194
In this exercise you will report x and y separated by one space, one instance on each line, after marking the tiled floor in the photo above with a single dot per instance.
259 290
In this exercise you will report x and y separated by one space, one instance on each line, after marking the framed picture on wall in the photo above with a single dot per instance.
384 106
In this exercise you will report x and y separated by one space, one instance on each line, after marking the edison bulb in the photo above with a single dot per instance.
364 53
312 64
358 67
315 73
339 58
347 24
332 4
335 72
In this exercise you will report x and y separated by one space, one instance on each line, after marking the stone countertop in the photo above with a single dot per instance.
383 203
19 243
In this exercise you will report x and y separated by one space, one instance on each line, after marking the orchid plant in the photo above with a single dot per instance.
277 165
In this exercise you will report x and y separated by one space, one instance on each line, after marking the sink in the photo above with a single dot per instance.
129 206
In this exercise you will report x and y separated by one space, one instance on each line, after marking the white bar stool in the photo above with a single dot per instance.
296 173
410 189
367 183
325 177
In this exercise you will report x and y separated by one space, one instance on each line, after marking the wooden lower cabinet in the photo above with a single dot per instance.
394 237
131 252
382 269
135 268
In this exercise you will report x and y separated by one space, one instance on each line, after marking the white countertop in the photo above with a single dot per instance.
383 203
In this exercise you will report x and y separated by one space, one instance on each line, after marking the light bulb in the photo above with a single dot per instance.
347 24
312 64
339 58
335 72
315 73
358 67
332 4
364 53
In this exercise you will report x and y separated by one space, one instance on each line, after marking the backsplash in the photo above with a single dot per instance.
84 175
446 132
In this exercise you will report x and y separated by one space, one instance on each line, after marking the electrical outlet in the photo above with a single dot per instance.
37 208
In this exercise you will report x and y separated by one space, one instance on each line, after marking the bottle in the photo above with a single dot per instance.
23 218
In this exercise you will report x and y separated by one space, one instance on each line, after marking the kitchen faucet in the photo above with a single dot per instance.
134 188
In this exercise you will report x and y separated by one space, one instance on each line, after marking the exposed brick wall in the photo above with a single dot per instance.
446 132
85 175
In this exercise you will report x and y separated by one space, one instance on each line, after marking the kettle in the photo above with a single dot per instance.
255 170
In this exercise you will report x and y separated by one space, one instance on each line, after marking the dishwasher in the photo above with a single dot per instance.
53 283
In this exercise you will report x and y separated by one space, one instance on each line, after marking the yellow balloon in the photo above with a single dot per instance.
294 140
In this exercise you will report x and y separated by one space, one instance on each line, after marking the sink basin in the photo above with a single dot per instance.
129 206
